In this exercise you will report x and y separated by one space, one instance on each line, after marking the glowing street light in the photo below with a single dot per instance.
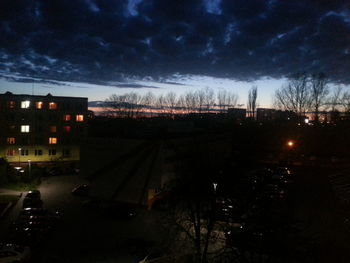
19 156
29 167
215 185
290 144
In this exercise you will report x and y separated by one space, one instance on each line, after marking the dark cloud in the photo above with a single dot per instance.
98 41
133 85
32 81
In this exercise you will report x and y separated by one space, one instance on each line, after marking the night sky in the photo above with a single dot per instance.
97 47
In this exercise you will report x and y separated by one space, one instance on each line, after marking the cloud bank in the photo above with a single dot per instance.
98 41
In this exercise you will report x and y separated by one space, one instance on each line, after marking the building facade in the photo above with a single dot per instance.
41 129
237 113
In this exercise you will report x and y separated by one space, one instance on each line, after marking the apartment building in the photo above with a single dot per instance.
41 128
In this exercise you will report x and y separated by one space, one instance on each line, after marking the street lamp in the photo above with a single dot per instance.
215 185
29 167
19 157
290 144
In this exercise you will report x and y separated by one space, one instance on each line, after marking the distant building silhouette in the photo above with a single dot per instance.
237 113
266 114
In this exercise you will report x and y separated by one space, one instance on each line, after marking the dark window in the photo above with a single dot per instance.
66 152
24 140
40 117
39 140
11 104
38 152
52 152
10 117
67 129
24 152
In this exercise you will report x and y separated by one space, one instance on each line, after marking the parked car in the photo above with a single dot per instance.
33 212
116 210
10 253
81 190
33 194
35 223
54 171
31 236
283 171
273 192
32 199
31 231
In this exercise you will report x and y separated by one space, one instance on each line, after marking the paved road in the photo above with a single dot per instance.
87 237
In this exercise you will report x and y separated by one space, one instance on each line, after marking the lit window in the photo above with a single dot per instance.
52 106
11 152
11 104
39 105
67 128
52 151
79 118
66 117
25 104
52 140
11 140
38 152
24 128
53 129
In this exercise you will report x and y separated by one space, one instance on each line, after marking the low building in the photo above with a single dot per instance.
263 114
237 113
267 115
41 129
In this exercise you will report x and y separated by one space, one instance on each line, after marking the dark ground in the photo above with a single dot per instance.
320 234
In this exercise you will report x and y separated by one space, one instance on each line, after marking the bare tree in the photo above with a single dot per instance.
251 104
133 103
226 99
192 101
232 100
334 101
116 105
160 104
295 95
149 101
191 214
170 102
345 101
209 98
335 98
318 93
200 98
222 97
181 103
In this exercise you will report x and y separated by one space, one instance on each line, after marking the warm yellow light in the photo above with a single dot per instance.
290 143
52 140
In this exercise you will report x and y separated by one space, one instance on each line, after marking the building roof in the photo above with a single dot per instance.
10 94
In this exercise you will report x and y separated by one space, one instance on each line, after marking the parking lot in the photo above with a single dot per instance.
83 236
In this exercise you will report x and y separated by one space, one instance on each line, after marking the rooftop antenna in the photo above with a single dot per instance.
33 87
